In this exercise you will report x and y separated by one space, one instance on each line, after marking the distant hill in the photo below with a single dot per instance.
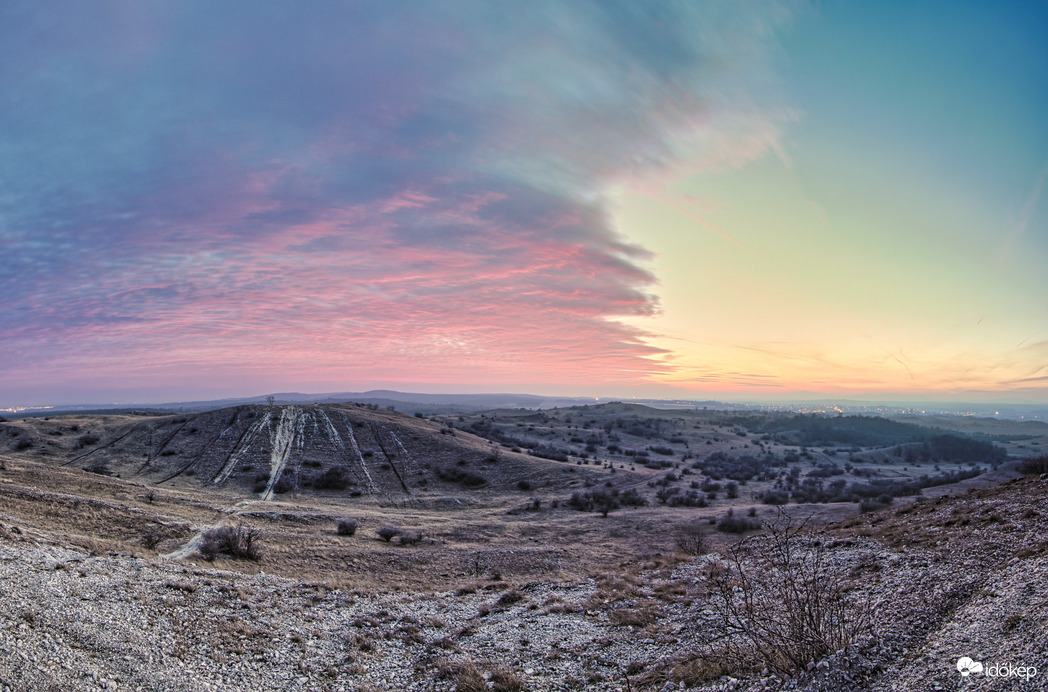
407 402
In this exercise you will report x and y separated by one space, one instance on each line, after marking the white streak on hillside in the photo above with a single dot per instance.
330 427
360 457
300 429
403 450
245 444
283 439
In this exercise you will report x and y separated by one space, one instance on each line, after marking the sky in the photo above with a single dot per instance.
726 200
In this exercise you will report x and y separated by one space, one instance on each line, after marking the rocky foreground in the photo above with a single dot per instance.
942 579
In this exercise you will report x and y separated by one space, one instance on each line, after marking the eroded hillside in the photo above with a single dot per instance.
265 451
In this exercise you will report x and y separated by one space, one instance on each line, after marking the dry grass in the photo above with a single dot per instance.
468 678
466 540
463 543
630 617
506 680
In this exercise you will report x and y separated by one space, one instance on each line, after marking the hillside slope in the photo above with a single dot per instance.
263 451
941 579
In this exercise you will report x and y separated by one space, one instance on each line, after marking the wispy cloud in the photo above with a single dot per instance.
1029 207
352 188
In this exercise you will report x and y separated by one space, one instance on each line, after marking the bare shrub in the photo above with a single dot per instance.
410 537
731 523
99 466
388 533
346 527
239 542
86 440
782 603
873 504
335 478
467 479
1034 465
605 501
153 536
261 481
691 539
284 484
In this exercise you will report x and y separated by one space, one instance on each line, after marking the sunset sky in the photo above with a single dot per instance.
699 199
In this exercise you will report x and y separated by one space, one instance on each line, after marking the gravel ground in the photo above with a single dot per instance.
964 576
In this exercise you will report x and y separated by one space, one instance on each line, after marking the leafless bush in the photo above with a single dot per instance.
784 604
1035 465
410 537
731 523
86 440
153 536
347 527
388 533
691 539
99 466
238 542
